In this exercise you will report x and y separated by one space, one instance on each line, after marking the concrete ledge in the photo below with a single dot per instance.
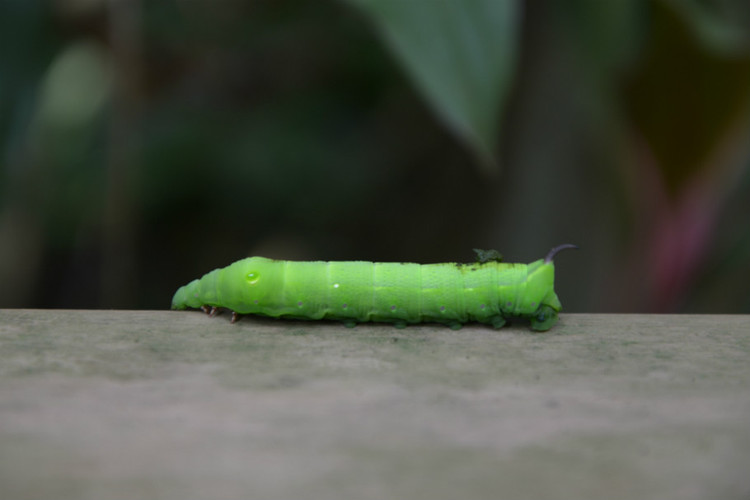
176 405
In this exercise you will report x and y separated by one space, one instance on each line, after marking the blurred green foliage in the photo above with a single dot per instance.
145 143
461 55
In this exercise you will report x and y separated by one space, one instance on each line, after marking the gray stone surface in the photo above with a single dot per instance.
176 405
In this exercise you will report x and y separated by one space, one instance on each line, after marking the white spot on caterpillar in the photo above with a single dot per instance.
335 285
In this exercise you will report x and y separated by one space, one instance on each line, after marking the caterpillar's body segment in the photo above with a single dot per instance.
400 293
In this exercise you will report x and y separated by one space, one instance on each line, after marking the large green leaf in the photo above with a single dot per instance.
461 55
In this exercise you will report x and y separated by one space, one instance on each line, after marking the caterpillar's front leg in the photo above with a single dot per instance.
213 311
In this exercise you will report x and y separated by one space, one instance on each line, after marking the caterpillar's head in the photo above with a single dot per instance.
540 289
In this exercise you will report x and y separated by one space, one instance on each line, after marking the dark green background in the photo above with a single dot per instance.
145 143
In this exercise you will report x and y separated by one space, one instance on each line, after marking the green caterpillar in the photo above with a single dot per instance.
488 291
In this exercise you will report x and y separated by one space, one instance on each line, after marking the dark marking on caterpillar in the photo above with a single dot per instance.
487 291
484 256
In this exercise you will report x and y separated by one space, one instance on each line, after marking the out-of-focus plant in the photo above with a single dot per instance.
461 55
675 76
145 142
688 107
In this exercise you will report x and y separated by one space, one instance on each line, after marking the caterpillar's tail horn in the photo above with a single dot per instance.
556 250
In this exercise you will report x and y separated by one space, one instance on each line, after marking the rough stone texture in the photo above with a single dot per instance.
112 405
